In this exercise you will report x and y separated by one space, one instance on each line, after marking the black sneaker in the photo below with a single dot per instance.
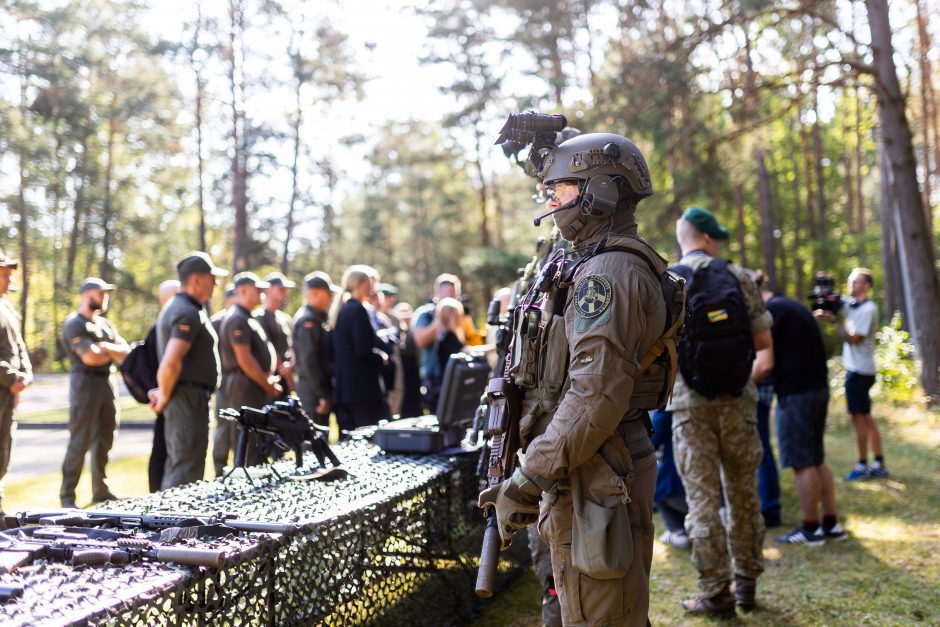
837 533
878 472
799 536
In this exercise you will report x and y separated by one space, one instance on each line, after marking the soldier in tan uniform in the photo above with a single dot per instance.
593 359
16 371
717 445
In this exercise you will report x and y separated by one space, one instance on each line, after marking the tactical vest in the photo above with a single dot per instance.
540 343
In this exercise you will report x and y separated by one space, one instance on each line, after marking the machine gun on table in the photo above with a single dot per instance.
288 426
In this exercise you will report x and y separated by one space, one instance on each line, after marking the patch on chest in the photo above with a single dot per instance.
593 296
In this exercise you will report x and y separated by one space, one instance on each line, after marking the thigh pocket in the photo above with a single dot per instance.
602 540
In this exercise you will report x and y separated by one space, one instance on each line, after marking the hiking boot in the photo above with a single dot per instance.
744 590
859 473
720 606
800 536
837 533
68 503
678 539
878 472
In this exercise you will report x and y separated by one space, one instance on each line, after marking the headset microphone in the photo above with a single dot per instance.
568 205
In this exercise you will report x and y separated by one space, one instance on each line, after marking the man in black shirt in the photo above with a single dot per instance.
248 362
278 325
93 344
802 386
189 370
313 351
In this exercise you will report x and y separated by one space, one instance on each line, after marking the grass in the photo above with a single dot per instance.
130 410
887 573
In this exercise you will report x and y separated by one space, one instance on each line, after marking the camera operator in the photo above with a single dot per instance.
858 356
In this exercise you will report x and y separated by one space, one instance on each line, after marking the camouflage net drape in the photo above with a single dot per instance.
394 543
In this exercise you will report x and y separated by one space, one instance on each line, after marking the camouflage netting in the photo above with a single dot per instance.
394 542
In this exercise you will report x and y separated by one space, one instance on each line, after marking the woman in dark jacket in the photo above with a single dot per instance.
360 391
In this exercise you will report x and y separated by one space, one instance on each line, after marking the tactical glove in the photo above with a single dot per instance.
516 501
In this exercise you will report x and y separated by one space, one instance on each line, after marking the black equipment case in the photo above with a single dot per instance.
464 383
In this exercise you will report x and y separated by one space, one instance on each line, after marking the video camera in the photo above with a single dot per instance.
824 295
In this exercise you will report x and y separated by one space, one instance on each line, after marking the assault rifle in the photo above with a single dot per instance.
501 407
148 521
289 428
94 547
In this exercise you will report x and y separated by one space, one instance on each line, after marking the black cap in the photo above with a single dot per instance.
278 279
198 262
320 281
250 278
387 288
94 283
7 262
704 220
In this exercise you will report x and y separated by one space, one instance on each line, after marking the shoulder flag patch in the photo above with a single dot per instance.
593 295
718 315
184 328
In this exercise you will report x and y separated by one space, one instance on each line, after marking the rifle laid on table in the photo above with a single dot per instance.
148 521
501 407
78 546
288 426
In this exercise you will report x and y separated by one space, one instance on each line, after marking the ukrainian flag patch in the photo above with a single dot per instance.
718 315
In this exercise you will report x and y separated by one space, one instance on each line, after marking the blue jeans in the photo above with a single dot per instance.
768 481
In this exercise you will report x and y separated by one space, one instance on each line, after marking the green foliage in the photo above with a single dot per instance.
898 365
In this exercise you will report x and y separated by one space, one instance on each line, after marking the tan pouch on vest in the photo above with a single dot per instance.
601 536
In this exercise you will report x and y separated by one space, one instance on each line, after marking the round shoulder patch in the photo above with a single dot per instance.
592 295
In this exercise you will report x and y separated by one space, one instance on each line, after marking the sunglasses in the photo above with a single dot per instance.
555 191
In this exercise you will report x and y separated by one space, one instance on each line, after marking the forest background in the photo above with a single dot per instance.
809 128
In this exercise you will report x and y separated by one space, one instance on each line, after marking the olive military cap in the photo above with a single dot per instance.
278 279
320 281
198 262
94 283
250 278
705 221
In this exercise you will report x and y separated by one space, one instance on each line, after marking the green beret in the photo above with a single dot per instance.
704 220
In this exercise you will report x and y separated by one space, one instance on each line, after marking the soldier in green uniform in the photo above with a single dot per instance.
16 371
593 358
313 352
248 361
717 445
94 345
187 346
224 429
279 326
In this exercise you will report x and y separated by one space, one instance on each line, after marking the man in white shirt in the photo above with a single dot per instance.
858 356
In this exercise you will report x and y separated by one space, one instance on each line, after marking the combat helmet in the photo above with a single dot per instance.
599 154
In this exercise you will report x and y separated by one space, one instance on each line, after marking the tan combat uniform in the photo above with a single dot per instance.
595 449
14 362
717 446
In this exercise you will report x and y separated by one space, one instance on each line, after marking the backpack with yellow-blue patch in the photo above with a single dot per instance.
716 347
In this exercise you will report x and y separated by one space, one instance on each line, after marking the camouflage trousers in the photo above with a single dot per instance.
718 446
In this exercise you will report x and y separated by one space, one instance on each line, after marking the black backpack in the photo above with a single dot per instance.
139 368
716 347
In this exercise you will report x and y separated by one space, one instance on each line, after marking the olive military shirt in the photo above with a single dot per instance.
79 334
277 326
14 360
313 350
241 327
615 311
683 396
184 318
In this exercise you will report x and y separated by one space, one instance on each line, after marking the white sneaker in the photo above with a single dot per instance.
677 539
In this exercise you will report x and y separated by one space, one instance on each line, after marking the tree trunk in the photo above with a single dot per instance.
767 222
927 106
742 232
23 226
77 213
859 196
797 227
239 175
890 254
821 209
294 172
482 193
849 187
106 219
200 96
896 133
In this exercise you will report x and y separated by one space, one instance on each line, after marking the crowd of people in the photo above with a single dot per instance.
352 350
